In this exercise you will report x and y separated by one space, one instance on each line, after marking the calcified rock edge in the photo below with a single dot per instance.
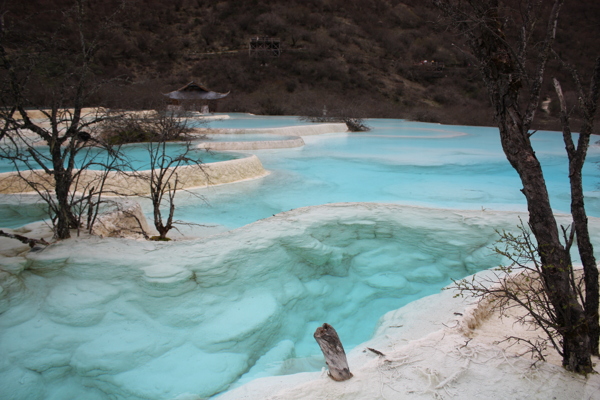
121 319
294 139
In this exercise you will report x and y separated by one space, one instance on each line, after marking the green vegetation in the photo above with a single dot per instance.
160 239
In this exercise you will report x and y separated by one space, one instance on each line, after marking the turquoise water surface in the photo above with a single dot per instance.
399 162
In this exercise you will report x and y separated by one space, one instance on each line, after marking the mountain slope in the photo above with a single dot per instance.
365 57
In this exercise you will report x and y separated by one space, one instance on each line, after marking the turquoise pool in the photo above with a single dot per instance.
135 157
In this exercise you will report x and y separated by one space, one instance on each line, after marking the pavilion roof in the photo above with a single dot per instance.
194 91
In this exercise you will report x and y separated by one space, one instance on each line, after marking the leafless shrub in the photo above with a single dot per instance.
520 285
347 114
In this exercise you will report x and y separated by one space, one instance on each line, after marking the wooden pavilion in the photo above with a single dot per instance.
194 97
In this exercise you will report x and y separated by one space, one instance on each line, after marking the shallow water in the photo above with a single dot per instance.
245 137
249 121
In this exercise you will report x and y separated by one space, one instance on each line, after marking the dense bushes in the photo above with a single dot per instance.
145 127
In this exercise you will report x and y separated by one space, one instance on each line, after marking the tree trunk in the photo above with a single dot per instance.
577 158
586 253
332 349
24 239
62 184
63 220
556 260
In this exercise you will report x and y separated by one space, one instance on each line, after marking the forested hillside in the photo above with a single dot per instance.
367 57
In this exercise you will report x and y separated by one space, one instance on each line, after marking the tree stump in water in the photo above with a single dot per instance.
332 349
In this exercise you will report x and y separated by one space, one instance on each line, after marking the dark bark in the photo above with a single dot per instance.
577 156
62 187
24 239
333 350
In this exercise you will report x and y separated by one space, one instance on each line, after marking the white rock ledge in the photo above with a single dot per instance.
300 130
130 184
258 145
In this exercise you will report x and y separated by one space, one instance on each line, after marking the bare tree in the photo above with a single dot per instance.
89 161
56 69
159 132
514 80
